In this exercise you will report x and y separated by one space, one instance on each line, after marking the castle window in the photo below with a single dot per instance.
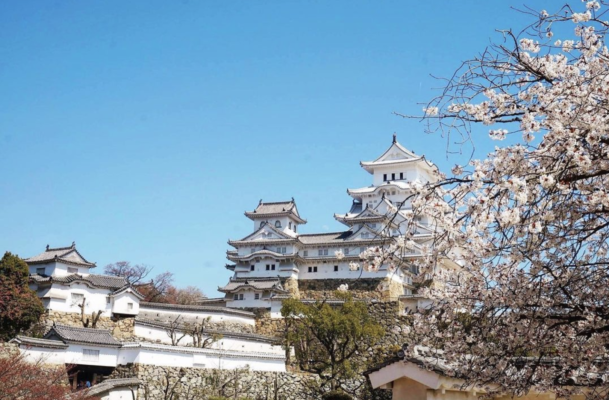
72 270
235 296
305 253
346 251
252 267
268 267
393 176
40 271
241 296
281 250
310 269
290 225
336 268
273 267
365 235
401 175
108 300
277 224
257 296
384 177
129 306
294 227
314 269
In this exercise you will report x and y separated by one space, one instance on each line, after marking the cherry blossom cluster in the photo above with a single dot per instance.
528 225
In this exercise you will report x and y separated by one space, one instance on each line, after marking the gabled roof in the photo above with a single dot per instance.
395 154
279 208
266 227
38 342
68 255
70 334
127 288
96 281
367 215
318 238
252 283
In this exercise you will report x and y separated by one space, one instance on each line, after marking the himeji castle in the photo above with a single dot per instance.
276 261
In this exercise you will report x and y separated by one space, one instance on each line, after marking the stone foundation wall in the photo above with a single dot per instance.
291 285
265 325
199 383
387 314
120 328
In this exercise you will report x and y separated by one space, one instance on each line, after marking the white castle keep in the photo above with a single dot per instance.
276 255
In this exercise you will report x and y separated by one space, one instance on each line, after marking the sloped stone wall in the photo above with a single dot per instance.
198 383
121 328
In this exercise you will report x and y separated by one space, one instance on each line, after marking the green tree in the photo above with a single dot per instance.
19 305
327 338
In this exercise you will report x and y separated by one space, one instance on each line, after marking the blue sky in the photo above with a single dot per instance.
143 130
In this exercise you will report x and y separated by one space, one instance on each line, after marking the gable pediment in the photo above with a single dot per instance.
396 153
74 256
363 233
267 232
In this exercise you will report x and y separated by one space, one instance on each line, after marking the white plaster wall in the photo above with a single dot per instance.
326 271
128 355
409 171
226 343
249 300
165 357
120 394
47 356
216 316
162 356
120 303
49 268
108 356
95 300
276 309
58 269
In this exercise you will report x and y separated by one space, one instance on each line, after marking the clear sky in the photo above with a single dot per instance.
143 130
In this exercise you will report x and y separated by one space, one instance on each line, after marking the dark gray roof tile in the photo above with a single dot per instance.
99 281
65 254
144 306
82 335
259 284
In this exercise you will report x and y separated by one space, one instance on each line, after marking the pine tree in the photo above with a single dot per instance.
19 305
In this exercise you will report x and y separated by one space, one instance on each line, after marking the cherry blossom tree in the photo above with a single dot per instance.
529 223
24 379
